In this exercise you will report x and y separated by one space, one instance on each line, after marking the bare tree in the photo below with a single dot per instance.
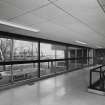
5 49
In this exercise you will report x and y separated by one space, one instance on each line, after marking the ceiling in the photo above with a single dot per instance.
60 20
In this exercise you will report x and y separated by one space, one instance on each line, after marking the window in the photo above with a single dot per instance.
20 58
59 51
24 71
5 49
24 50
46 51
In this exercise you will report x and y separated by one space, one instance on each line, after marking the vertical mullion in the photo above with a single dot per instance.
55 56
90 78
66 57
11 74
32 50
12 53
39 59
88 56
76 61
82 56
12 56
101 82
93 57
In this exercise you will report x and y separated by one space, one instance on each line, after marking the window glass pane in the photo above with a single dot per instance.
35 50
50 51
46 51
24 50
91 57
5 74
24 71
46 68
60 66
74 64
5 49
85 57
52 67
79 53
59 51
80 56
72 52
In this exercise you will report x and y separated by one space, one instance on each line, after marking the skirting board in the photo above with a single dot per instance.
96 91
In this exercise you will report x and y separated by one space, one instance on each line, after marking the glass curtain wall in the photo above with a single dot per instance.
75 58
49 55
60 52
24 51
85 57
12 50
5 55
91 56
25 59
78 57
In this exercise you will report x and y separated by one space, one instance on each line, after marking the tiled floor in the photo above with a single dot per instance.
67 89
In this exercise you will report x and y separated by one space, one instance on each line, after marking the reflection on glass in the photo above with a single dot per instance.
24 50
59 51
46 51
74 64
60 66
52 67
91 55
24 71
5 74
85 59
5 49
75 54
49 51
16 50
46 68
72 52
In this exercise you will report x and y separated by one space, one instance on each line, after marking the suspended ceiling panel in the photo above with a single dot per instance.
88 11
28 19
63 20
60 20
8 11
26 5
59 33
55 31
48 12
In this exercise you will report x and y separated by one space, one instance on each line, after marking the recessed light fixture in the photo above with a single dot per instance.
77 41
18 26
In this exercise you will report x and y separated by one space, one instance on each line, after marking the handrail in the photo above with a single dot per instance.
96 67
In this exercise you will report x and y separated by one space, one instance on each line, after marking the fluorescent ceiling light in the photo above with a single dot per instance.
77 41
98 46
18 26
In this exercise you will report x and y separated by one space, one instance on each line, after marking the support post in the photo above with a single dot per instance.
39 59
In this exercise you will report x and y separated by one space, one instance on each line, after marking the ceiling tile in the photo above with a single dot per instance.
71 5
27 5
64 20
48 12
57 31
7 11
53 23
28 19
